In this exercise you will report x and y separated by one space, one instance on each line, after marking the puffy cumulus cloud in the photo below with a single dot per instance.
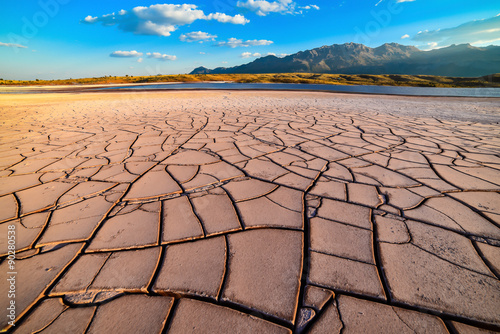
256 55
132 54
234 43
250 55
160 19
159 56
310 7
474 32
126 54
223 18
405 36
12 45
264 7
279 55
197 36
430 46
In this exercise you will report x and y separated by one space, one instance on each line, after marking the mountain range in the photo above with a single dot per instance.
462 60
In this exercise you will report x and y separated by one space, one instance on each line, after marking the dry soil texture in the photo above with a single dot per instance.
258 212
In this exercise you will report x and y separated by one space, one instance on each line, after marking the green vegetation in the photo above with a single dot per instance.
308 78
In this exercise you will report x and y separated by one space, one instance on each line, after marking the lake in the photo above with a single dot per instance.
389 90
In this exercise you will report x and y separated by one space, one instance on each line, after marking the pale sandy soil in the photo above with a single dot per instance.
258 212
485 110
16 89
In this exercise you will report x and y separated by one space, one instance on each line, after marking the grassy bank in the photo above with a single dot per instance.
308 78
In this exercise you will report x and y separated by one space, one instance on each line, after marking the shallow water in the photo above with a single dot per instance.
389 90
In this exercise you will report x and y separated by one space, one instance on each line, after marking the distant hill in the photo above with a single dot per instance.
462 60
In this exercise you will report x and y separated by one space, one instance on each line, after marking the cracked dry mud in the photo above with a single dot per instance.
264 212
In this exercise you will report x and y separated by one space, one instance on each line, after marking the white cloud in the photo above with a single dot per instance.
90 19
140 60
250 55
197 36
202 53
264 7
474 32
279 55
126 54
399 1
11 45
159 56
405 36
234 42
223 18
309 7
432 45
256 55
160 19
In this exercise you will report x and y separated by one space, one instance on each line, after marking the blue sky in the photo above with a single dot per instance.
51 39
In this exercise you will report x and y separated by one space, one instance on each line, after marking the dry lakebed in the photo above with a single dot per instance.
249 212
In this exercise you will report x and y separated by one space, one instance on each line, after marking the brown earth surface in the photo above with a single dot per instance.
258 212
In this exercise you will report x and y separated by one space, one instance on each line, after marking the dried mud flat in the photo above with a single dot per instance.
258 212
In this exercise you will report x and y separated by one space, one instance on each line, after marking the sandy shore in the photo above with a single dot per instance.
259 212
